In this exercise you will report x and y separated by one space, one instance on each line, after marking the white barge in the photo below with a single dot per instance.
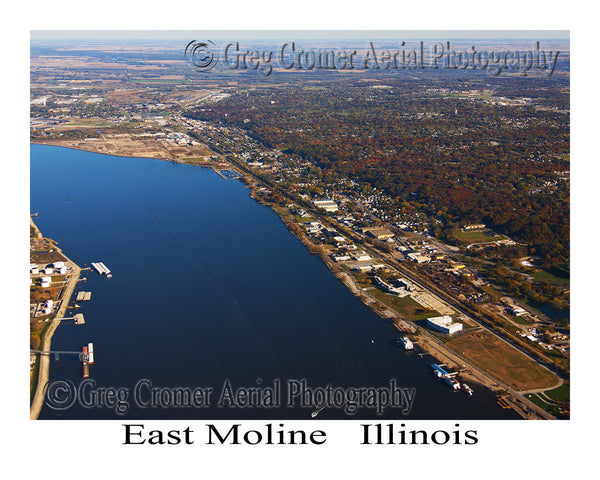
102 269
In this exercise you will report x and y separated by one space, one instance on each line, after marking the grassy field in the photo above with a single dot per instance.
543 275
560 394
508 365
552 400
405 306
478 236
300 219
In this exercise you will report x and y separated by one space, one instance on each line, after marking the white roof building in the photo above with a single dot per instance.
417 257
327 205
444 324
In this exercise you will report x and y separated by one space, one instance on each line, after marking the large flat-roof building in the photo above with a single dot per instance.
418 257
444 324
327 205
378 233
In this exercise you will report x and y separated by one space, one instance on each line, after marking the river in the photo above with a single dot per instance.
208 286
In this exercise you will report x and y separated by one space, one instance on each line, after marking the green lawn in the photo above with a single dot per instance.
300 219
478 236
405 306
560 394
545 276
552 409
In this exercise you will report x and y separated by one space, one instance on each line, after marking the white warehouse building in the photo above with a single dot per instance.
444 324
327 205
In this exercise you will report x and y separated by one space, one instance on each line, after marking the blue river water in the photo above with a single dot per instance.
209 286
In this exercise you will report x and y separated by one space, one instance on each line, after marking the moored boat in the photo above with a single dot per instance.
466 388
406 343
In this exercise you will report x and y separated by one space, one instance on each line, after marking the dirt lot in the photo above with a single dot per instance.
44 252
126 146
502 361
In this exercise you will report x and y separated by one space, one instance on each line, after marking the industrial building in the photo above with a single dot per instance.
378 233
361 256
389 288
417 257
313 227
364 266
444 324
516 310
327 205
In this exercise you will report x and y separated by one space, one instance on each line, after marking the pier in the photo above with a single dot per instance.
86 356
83 296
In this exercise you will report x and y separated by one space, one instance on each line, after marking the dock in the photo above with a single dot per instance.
228 173
84 296
102 269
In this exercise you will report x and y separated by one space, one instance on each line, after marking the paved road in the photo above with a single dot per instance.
44 370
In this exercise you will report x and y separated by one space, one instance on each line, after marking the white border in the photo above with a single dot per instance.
93 450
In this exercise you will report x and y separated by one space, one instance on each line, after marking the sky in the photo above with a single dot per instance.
302 34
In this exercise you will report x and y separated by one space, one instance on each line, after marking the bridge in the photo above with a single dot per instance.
83 357
77 319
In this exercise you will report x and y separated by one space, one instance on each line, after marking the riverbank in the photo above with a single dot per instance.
46 340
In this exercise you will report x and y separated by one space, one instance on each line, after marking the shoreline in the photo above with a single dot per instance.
428 344
46 341
164 158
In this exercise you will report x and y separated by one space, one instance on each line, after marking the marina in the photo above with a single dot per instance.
449 379
231 173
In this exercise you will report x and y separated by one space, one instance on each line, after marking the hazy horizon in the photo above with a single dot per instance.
301 34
